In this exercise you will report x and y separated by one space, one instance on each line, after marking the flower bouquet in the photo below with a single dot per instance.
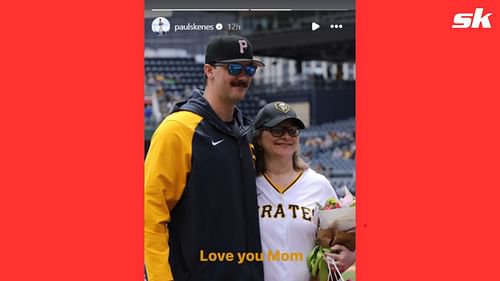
337 225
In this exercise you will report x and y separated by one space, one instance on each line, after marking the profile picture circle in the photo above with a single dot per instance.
160 26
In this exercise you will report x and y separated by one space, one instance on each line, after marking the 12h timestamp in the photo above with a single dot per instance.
234 26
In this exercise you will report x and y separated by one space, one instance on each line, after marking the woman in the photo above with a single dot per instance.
287 193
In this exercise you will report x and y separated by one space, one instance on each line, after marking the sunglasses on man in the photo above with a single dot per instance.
280 131
236 68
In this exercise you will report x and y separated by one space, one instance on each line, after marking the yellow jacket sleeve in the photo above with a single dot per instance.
166 168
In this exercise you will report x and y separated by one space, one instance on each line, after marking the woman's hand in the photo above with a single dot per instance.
342 256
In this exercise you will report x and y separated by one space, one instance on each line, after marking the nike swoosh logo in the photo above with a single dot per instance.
214 143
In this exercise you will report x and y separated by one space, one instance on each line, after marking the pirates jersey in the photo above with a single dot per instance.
287 223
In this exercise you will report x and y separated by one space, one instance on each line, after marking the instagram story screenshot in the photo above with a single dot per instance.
250 140
250 144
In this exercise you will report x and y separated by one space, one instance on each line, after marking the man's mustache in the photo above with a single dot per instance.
239 83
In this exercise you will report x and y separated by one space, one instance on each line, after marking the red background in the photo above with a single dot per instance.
72 142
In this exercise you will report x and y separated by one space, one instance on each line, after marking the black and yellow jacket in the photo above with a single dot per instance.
200 198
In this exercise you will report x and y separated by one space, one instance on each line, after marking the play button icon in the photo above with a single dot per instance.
314 26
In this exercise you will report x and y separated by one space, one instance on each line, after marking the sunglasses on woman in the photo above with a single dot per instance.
280 131
236 68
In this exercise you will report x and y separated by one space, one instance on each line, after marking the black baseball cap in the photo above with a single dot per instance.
274 113
230 48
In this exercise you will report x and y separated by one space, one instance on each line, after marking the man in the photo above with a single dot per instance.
200 196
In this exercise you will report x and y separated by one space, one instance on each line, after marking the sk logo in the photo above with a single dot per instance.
469 20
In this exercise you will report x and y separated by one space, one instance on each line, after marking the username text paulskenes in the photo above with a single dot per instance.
192 26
